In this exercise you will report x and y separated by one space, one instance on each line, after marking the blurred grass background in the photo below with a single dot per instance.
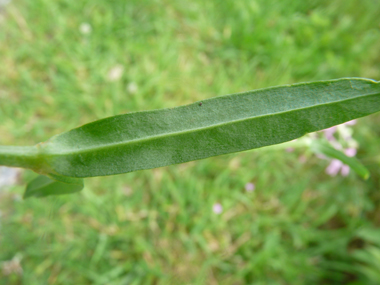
65 63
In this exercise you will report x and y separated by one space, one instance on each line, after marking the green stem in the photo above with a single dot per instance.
21 156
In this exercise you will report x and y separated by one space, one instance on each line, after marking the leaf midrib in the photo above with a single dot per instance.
111 145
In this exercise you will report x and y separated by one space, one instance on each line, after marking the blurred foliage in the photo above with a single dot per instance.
65 63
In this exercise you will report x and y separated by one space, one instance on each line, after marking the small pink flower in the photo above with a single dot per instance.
345 170
249 187
321 156
351 123
289 149
335 166
329 133
350 152
217 208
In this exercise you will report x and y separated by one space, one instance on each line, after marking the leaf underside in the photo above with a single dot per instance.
43 186
215 126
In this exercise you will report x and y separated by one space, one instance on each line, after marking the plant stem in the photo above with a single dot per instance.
21 156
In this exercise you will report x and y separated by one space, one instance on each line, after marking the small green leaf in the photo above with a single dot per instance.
44 186
325 148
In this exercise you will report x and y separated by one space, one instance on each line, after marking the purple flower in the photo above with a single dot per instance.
350 152
217 208
345 170
329 133
249 187
351 123
321 156
335 166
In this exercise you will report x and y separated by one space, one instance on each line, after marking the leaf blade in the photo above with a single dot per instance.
43 186
219 125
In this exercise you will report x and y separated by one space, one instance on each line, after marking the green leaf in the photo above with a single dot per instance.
219 125
215 126
44 186
326 149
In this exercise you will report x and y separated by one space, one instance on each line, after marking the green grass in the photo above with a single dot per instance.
299 226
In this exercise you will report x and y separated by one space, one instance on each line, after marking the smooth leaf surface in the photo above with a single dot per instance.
44 186
353 163
219 125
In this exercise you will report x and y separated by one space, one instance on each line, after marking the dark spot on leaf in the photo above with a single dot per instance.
200 104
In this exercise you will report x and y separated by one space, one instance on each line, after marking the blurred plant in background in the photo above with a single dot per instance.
345 143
